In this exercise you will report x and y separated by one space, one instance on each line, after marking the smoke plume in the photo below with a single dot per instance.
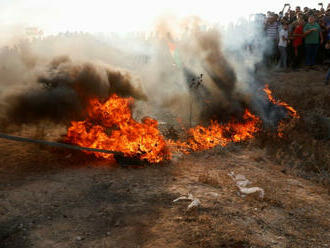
201 71
62 90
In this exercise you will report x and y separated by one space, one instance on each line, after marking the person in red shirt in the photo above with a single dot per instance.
298 36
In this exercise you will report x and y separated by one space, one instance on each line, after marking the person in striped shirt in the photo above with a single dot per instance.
272 30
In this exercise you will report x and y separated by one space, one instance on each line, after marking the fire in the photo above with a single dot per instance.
204 138
292 112
110 126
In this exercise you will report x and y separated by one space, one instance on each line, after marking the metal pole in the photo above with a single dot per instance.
56 144
190 116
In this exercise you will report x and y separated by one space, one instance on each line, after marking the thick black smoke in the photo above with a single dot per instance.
213 82
62 92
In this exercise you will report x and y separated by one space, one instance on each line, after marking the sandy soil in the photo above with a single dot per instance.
56 198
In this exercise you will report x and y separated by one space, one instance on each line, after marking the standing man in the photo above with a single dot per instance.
313 38
272 28
283 37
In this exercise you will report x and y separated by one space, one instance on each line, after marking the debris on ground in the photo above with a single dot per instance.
68 156
195 202
78 238
242 182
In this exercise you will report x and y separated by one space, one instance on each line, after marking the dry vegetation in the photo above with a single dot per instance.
306 143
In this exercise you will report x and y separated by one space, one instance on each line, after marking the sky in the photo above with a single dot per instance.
55 16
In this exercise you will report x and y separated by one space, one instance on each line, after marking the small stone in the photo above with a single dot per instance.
213 194
178 218
108 233
78 238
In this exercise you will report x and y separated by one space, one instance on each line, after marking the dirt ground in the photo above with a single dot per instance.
60 198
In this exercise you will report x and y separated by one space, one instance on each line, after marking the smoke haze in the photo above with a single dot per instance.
185 68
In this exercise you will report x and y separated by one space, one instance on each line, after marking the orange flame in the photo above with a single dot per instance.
203 138
292 112
110 126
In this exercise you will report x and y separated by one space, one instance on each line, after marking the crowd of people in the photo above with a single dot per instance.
298 38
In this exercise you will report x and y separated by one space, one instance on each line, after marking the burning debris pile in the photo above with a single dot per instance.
110 126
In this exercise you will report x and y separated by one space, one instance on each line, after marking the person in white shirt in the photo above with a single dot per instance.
282 44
